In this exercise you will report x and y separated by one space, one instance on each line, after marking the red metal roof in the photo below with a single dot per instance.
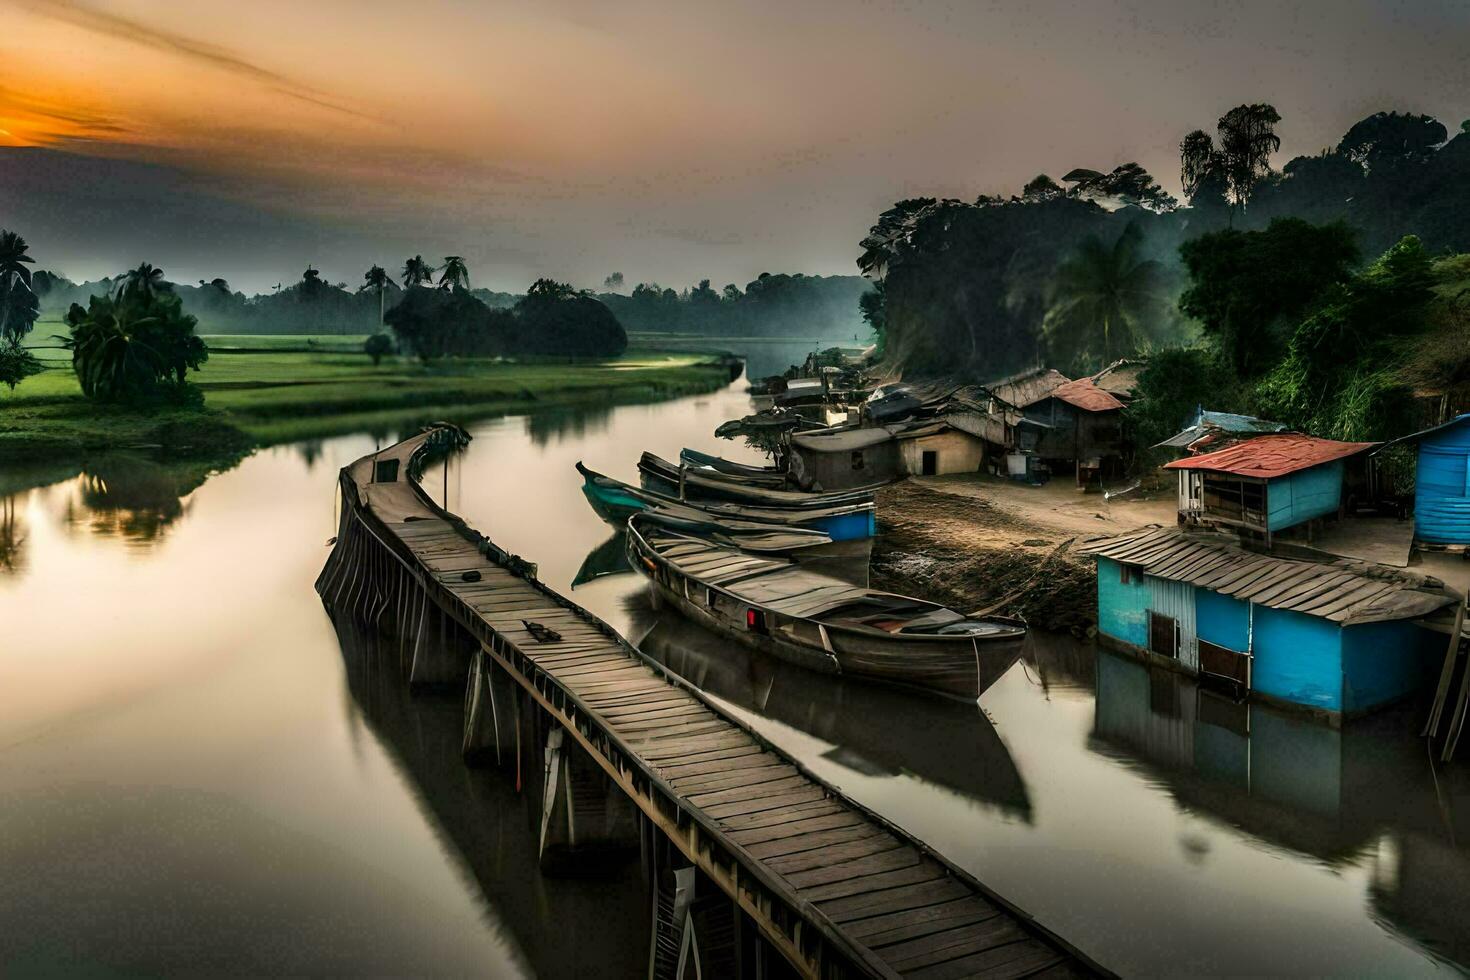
1085 395
1265 457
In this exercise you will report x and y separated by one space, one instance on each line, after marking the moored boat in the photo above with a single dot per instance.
722 465
616 501
685 483
777 606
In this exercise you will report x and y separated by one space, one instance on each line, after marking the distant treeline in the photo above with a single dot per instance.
772 305
1088 269
310 306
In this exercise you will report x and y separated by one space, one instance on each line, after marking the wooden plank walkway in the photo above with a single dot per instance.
892 907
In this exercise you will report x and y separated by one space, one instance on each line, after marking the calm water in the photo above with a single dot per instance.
194 777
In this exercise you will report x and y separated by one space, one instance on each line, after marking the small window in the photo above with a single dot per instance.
1125 574
709 597
386 471
857 460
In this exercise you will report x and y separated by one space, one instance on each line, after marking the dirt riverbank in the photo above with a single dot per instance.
980 543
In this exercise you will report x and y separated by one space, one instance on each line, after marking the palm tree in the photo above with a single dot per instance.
377 278
417 272
455 274
18 304
108 352
144 282
1106 300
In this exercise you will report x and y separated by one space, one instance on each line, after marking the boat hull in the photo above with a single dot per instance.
961 667
616 504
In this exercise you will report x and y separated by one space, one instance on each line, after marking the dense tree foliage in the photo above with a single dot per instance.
377 346
772 305
1245 286
556 320
19 306
1107 300
16 363
969 285
134 346
432 323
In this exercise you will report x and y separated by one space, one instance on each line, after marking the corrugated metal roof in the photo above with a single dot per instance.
842 441
1269 456
1207 422
1027 387
1087 396
1121 376
1342 591
1415 437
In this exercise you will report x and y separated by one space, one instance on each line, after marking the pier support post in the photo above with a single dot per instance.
697 929
588 825
441 650
489 714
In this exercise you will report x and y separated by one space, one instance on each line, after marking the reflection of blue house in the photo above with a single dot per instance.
1336 637
1266 484
1442 483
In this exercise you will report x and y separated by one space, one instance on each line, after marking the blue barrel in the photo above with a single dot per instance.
1442 485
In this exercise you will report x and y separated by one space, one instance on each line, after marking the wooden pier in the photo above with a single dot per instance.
831 887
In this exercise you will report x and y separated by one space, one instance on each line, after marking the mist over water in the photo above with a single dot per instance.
197 773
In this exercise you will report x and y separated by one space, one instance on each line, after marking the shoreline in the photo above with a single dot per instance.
57 426
982 544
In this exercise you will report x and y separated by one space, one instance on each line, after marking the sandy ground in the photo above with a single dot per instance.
979 543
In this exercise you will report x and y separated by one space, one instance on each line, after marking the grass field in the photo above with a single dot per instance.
263 390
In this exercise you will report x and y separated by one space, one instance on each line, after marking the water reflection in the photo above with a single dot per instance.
873 730
564 926
1365 795
12 535
608 558
560 424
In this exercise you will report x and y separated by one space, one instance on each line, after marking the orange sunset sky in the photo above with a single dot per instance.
670 141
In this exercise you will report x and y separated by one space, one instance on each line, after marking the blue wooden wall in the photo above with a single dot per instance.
1442 486
1303 495
1222 620
1384 661
1122 610
1298 658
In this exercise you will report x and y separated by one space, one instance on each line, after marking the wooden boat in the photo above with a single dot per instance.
615 501
661 476
776 606
774 476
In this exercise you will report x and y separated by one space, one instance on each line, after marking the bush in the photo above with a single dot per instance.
378 346
16 364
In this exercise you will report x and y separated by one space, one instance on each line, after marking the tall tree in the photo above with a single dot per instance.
455 274
19 306
144 282
377 280
1108 301
614 283
1233 168
417 272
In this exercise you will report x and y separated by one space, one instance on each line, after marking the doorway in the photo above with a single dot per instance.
929 465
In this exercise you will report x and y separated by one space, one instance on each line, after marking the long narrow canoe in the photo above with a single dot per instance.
780 608
661 476
616 501
731 468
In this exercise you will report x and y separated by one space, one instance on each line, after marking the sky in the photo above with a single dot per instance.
669 141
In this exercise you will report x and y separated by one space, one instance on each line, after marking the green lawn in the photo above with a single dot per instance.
285 389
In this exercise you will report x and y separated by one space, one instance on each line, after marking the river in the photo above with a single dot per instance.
195 778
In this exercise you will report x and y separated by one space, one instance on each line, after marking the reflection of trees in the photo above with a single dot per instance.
137 498
12 536
557 424
310 451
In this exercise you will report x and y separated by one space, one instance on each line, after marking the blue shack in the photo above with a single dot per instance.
1334 637
1266 484
1442 484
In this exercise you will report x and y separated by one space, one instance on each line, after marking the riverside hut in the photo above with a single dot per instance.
1266 484
1080 428
845 458
1336 637
1442 484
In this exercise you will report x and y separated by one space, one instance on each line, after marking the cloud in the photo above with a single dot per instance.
150 36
